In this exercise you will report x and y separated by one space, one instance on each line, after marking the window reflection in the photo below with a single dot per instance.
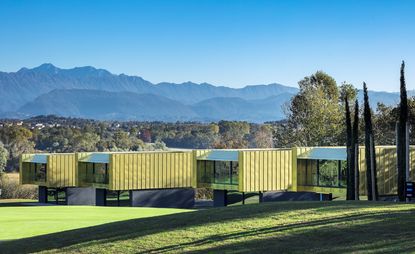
96 173
219 172
325 173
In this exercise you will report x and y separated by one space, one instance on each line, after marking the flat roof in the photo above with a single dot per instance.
220 155
324 153
96 158
37 158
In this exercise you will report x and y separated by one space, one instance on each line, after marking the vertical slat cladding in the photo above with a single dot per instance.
275 170
191 165
176 169
165 171
270 170
170 172
285 169
151 171
381 171
251 170
176 180
260 164
123 173
128 164
279 171
247 175
139 171
257 169
117 167
147 170
156 170
291 166
134 168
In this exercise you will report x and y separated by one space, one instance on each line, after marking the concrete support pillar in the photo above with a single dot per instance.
100 197
43 194
172 198
85 196
261 197
220 198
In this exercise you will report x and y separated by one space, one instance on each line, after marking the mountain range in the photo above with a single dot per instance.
87 92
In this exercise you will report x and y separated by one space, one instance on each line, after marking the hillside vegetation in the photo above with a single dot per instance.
321 227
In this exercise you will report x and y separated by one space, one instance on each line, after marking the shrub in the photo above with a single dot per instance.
204 193
12 189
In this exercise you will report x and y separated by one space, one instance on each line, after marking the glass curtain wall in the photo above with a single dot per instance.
324 173
218 172
96 173
38 171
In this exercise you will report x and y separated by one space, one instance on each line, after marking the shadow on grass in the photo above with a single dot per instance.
315 225
18 203
136 228
384 235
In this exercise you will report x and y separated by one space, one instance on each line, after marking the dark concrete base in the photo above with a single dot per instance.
272 196
172 198
100 197
85 196
43 194
220 198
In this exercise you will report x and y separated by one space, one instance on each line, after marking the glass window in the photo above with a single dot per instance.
101 173
322 173
96 173
40 172
311 172
235 172
205 171
343 173
222 172
328 173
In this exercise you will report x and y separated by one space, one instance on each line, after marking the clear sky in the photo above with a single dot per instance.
232 43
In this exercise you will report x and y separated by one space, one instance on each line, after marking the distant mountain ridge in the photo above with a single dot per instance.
98 94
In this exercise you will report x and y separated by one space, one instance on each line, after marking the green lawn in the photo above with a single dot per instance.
19 221
322 227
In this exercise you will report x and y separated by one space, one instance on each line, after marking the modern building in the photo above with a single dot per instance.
160 179
168 178
53 173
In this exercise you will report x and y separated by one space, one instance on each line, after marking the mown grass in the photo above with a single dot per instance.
22 219
320 227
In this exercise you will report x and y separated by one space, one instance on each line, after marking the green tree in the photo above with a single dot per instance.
349 149
314 116
401 136
371 179
17 140
355 151
233 134
4 155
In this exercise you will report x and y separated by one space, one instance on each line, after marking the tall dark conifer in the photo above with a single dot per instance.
370 155
349 149
401 136
355 151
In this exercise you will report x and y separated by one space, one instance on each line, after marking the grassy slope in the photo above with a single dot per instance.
277 227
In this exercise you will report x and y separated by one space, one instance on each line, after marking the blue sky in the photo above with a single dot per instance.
232 43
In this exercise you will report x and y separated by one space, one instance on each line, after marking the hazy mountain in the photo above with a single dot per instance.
234 108
96 93
23 86
106 105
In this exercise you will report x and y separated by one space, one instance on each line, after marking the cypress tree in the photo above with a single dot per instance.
401 136
349 149
370 156
355 150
